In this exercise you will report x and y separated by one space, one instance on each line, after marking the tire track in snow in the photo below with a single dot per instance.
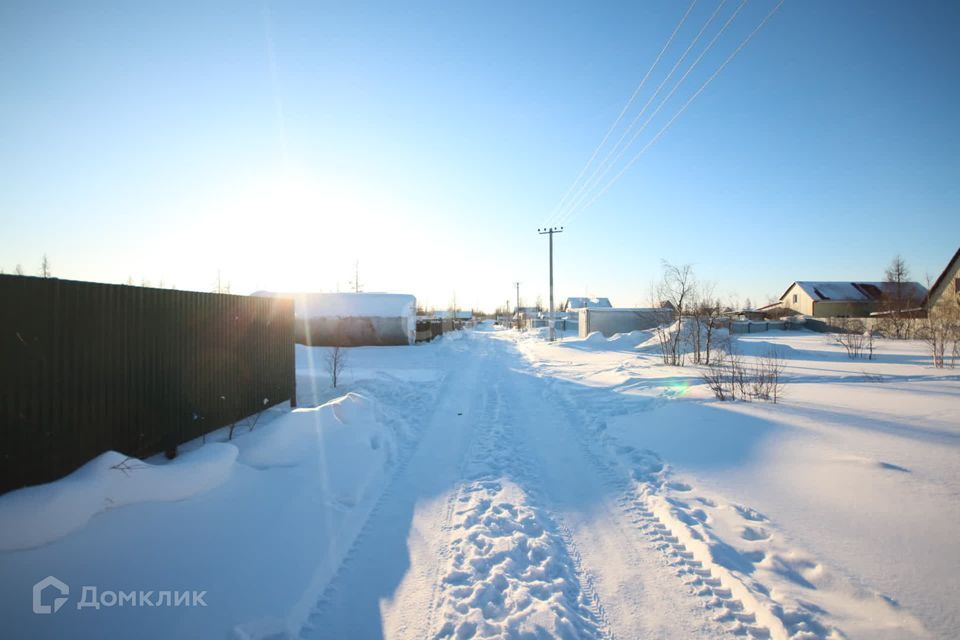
511 573
582 491
489 413
647 472
361 579
713 571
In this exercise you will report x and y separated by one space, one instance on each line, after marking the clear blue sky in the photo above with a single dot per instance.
280 142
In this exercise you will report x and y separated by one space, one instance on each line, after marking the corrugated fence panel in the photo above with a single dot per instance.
88 367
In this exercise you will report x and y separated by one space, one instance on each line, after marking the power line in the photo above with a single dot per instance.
617 152
689 70
684 107
623 111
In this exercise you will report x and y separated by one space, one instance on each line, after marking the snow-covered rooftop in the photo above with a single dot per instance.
349 305
588 303
855 291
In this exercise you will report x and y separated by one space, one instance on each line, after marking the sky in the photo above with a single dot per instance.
281 144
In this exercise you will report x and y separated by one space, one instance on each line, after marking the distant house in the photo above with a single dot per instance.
586 303
447 315
526 312
353 319
843 299
945 292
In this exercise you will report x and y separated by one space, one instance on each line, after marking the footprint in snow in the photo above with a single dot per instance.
755 534
750 514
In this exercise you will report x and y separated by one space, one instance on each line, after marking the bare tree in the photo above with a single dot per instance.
712 312
704 319
694 326
897 298
676 288
221 286
355 283
941 329
18 270
336 362
45 267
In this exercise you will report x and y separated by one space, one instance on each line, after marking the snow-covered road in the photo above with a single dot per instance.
490 484
503 523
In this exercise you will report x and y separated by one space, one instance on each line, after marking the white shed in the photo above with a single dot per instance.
353 319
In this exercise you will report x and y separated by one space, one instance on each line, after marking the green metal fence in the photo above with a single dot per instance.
87 367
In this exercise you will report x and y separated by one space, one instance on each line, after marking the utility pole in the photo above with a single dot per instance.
517 284
550 231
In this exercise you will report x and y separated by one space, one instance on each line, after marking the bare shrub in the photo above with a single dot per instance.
729 378
769 371
740 378
336 362
851 336
665 340
715 375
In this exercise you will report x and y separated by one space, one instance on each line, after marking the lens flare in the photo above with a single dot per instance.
678 388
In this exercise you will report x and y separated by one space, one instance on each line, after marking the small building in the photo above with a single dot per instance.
944 295
464 316
843 299
573 304
610 321
353 319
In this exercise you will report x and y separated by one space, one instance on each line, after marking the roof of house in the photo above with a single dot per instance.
943 276
349 305
446 314
853 291
588 303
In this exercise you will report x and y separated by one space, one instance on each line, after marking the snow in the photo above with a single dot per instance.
587 303
36 515
856 291
349 305
490 484
820 500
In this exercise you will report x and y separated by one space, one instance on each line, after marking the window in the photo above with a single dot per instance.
956 285
795 297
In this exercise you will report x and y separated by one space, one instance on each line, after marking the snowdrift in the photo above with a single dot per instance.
596 341
342 442
34 516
